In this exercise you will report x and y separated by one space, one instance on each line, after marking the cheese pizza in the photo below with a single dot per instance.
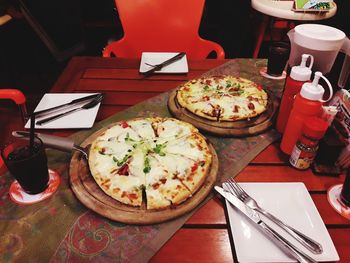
223 98
159 161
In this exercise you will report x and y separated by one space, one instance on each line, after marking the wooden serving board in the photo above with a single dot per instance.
240 128
92 196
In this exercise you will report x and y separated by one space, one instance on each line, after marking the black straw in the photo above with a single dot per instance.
32 133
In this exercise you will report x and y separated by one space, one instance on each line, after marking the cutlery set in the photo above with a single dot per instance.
90 102
163 64
236 196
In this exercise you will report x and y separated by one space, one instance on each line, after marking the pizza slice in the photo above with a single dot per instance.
143 127
172 128
191 160
162 188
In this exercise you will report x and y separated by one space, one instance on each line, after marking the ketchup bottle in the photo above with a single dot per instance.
298 76
308 103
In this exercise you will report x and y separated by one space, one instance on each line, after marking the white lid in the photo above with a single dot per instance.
302 72
314 91
318 37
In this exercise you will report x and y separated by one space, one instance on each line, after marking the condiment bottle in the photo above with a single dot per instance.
306 147
298 76
308 103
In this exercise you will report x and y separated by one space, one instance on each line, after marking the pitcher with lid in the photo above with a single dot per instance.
323 43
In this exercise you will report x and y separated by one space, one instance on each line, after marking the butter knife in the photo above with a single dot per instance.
163 64
254 217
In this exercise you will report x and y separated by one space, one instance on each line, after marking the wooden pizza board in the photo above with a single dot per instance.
240 128
92 196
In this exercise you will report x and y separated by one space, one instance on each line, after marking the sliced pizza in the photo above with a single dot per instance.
165 158
223 98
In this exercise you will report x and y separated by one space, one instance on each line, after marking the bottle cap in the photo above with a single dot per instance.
315 127
314 91
302 72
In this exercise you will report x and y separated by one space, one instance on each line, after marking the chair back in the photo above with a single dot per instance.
161 26
11 123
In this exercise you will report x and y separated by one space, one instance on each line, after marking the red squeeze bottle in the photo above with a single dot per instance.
298 76
308 103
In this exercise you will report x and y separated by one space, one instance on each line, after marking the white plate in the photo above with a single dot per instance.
291 203
154 58
78 119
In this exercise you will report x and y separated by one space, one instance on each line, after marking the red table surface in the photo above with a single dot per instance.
205 237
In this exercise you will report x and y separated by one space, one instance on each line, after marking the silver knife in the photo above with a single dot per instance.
254 216
163 64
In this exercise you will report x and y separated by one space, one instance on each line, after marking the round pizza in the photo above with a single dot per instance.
223 98
159 161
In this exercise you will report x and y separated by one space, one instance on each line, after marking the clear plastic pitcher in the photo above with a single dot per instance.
324 43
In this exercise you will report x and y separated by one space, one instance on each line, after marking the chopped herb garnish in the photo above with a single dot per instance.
159 149
128 139
147 167
121 162
206 88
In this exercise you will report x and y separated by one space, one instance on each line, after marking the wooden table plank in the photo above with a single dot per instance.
212 213
255 173
106 85
328 214
340 237
196 245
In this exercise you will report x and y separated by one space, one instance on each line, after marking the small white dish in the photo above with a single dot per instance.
290 202
154 58
78 119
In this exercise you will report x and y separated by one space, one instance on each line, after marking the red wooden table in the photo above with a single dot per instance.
205 237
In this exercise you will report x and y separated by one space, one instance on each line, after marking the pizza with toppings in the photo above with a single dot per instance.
158 161
223 98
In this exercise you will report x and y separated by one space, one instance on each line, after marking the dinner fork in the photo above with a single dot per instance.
238 191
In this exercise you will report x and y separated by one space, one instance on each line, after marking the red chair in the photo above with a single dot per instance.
161 26
18 97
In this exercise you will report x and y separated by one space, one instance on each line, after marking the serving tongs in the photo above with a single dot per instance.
55 142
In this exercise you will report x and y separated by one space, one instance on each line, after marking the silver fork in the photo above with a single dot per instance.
238 191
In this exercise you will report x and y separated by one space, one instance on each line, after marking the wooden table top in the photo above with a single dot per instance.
206 236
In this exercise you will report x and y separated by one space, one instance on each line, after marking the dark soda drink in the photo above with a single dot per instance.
345 193
277 60
28 166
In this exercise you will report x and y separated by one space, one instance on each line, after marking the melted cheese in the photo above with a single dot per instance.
114 131
143 128
184 148
175 164
104 164
117 149
126 183
156 173
136 165
171 128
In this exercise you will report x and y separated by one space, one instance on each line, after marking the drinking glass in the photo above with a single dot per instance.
27 165
345 193
277 59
